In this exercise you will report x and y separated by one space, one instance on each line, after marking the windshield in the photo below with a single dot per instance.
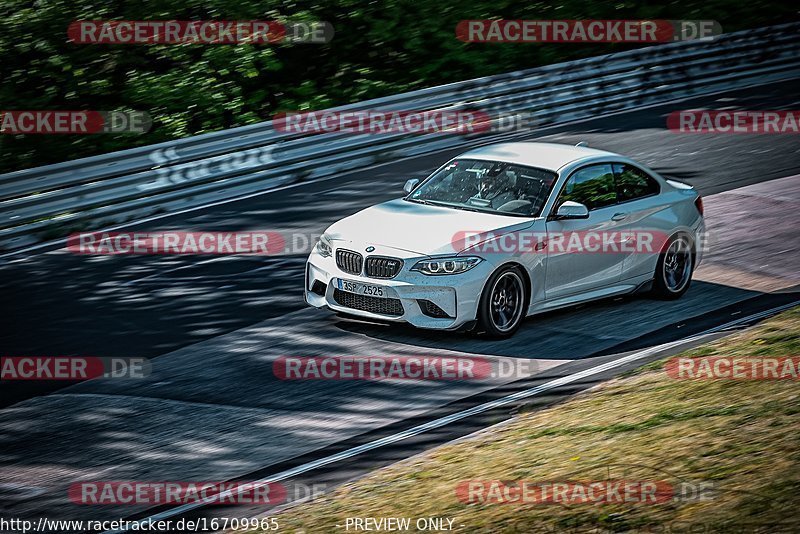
490 186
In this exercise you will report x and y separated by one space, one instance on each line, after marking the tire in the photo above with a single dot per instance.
503 303
674 268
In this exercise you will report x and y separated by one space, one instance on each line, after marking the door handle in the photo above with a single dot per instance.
619 216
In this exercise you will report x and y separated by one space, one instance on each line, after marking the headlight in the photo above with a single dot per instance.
324 246
443 266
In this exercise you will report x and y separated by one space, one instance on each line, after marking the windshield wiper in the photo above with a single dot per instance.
465 208
445 205
479 210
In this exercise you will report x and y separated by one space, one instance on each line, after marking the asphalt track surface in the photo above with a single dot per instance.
212 410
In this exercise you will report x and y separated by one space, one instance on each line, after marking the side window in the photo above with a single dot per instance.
633 183
592 186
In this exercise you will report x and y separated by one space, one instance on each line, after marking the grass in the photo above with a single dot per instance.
740 437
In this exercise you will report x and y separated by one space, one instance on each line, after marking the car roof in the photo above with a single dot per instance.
548 156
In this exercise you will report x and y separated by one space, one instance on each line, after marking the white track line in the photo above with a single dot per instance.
504 401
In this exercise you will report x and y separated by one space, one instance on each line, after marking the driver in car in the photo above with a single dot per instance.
498 189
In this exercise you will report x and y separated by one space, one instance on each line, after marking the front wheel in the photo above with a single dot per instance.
502 305
674 269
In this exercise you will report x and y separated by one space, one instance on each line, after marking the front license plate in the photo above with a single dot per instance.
369 290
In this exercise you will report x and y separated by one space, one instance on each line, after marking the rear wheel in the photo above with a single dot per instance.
502 305
674 269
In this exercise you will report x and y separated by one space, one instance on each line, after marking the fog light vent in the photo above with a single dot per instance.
318 288
432 310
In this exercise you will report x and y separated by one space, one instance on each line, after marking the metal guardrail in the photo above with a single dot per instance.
48 202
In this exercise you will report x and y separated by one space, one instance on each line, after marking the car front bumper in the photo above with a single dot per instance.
455 296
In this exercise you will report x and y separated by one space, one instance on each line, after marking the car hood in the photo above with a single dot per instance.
417 229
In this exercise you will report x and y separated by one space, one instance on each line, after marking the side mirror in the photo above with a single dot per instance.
572 210
410 185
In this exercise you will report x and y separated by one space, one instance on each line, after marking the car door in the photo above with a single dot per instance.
638 207
571 271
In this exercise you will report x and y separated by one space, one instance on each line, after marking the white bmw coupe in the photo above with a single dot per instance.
506 231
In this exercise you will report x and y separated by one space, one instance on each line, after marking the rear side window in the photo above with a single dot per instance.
592 186
633 183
